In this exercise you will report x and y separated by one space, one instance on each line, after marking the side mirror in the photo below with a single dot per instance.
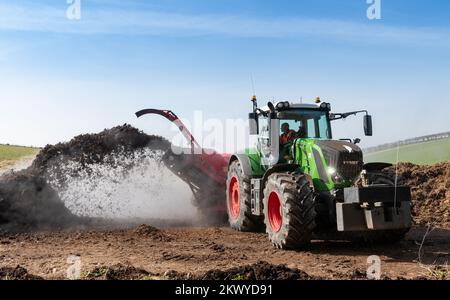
356 141
253 124
368 131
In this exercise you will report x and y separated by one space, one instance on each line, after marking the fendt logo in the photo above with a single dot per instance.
351 162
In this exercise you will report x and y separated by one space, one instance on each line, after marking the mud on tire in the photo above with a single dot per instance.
289 210
239 202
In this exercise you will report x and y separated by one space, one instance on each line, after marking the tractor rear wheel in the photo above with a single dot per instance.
289 210
239 200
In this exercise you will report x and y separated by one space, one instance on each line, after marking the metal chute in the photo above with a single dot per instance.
203 170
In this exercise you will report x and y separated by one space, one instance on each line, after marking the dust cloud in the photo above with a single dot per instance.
124 186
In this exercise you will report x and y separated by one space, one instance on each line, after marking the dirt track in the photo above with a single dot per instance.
198 250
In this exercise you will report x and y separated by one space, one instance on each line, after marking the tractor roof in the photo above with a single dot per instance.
294 105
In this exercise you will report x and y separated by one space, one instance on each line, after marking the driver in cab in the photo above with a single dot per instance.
288 135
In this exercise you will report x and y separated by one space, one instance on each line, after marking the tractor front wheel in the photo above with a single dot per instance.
289 212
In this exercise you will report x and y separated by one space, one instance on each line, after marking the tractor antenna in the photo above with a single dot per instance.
253 84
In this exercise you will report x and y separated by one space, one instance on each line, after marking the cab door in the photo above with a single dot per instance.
268 140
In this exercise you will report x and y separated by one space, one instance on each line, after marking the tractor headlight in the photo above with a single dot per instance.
331 171
337 179
282 105
325 105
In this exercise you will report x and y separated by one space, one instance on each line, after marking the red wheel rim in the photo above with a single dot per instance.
234 198
274 210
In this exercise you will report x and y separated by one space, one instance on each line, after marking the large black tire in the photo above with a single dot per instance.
289 210
239 201
382 236
384 177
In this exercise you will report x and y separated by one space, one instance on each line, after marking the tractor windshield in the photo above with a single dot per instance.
306 123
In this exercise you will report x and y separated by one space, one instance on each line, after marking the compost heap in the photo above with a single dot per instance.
430 189
28 201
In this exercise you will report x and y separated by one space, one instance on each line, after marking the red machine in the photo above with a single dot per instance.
204 170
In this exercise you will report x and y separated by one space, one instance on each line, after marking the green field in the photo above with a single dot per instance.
420 153
13 153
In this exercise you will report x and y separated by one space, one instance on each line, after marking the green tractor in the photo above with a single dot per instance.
299 184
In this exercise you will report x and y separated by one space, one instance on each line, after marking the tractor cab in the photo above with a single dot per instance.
299 123
282 126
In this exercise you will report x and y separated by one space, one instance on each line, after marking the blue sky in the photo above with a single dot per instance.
60 77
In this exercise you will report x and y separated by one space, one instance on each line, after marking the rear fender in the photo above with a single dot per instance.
245 163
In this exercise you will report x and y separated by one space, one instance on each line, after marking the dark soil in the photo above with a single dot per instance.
27 203
218 253
430 188
89 149
117 272
259 271
17 273
147 231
